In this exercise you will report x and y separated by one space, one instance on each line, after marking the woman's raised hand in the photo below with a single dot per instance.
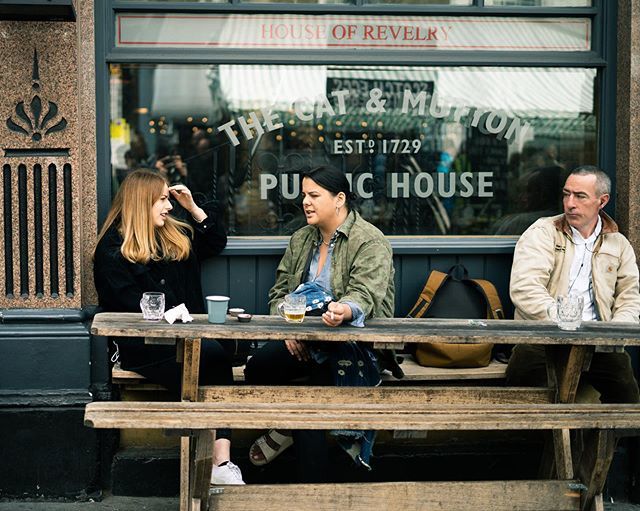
183 195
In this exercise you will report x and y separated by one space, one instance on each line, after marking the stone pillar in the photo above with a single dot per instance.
628 122
47 162
53 366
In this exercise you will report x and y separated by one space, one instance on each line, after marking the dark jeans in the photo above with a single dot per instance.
611 374
157 363
272 364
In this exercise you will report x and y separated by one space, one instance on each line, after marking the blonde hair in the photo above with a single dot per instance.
131 214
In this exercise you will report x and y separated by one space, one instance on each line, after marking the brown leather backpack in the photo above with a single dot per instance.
455 295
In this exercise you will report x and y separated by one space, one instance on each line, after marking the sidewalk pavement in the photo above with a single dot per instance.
110 503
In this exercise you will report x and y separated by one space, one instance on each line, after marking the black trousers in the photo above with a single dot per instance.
158 364
611 374
272 364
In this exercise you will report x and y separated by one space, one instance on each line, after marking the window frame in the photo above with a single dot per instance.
602 57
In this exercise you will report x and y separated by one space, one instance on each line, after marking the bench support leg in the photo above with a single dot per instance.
184 474
593 466
565 365
557 460
598 504
190 351
562 447
191 369
201 466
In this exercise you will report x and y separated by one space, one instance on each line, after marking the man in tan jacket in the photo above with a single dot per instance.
579 252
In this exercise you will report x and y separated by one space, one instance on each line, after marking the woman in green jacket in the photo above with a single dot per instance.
341 253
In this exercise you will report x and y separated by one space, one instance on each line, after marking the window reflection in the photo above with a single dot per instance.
296 1
539 3
421 2
430 151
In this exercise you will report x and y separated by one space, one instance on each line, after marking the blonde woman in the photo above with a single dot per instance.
141 247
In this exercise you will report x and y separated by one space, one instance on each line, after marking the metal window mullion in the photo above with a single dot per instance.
104 39
357 7
373 57
607 96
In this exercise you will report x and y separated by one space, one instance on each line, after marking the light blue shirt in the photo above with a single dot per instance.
324 279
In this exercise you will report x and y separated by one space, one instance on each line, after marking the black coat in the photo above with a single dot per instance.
120 283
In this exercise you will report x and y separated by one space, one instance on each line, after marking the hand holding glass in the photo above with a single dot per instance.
567 312
293 308
152 305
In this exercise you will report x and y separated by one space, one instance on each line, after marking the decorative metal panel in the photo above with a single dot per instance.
38 199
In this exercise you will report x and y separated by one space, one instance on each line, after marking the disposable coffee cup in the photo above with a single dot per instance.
217 308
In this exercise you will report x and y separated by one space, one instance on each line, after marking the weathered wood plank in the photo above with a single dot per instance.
564 460
389 330
564 367
415 372
597 453
185 504
598 503
123 377
443 496
191 369
169 341
360 416
201 464
247 394
412 373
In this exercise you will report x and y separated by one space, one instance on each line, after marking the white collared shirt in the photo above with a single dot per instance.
580 273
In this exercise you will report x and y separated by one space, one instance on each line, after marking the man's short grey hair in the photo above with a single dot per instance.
603 182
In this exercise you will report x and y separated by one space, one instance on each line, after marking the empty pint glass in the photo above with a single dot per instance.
567 312
152 305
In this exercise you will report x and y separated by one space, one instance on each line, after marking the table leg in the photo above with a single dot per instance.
557 459
190 350
201 465
565 365
598 503
593 466
190 369
563 458
184 474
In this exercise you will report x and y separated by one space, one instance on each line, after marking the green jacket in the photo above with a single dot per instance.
361 267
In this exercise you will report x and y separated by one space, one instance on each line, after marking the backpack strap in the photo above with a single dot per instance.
494 305
434 281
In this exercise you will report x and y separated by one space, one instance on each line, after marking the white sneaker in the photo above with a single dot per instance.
226 474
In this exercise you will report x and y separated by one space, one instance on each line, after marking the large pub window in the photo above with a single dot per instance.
452 118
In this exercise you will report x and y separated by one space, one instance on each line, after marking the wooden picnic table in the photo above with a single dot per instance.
568 354
388 330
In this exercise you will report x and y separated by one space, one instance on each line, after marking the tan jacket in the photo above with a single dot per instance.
542 261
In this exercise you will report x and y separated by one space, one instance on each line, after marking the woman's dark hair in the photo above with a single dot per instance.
332 180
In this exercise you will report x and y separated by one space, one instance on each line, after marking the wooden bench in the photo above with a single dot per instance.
416 408
413 373
571 481
121 376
